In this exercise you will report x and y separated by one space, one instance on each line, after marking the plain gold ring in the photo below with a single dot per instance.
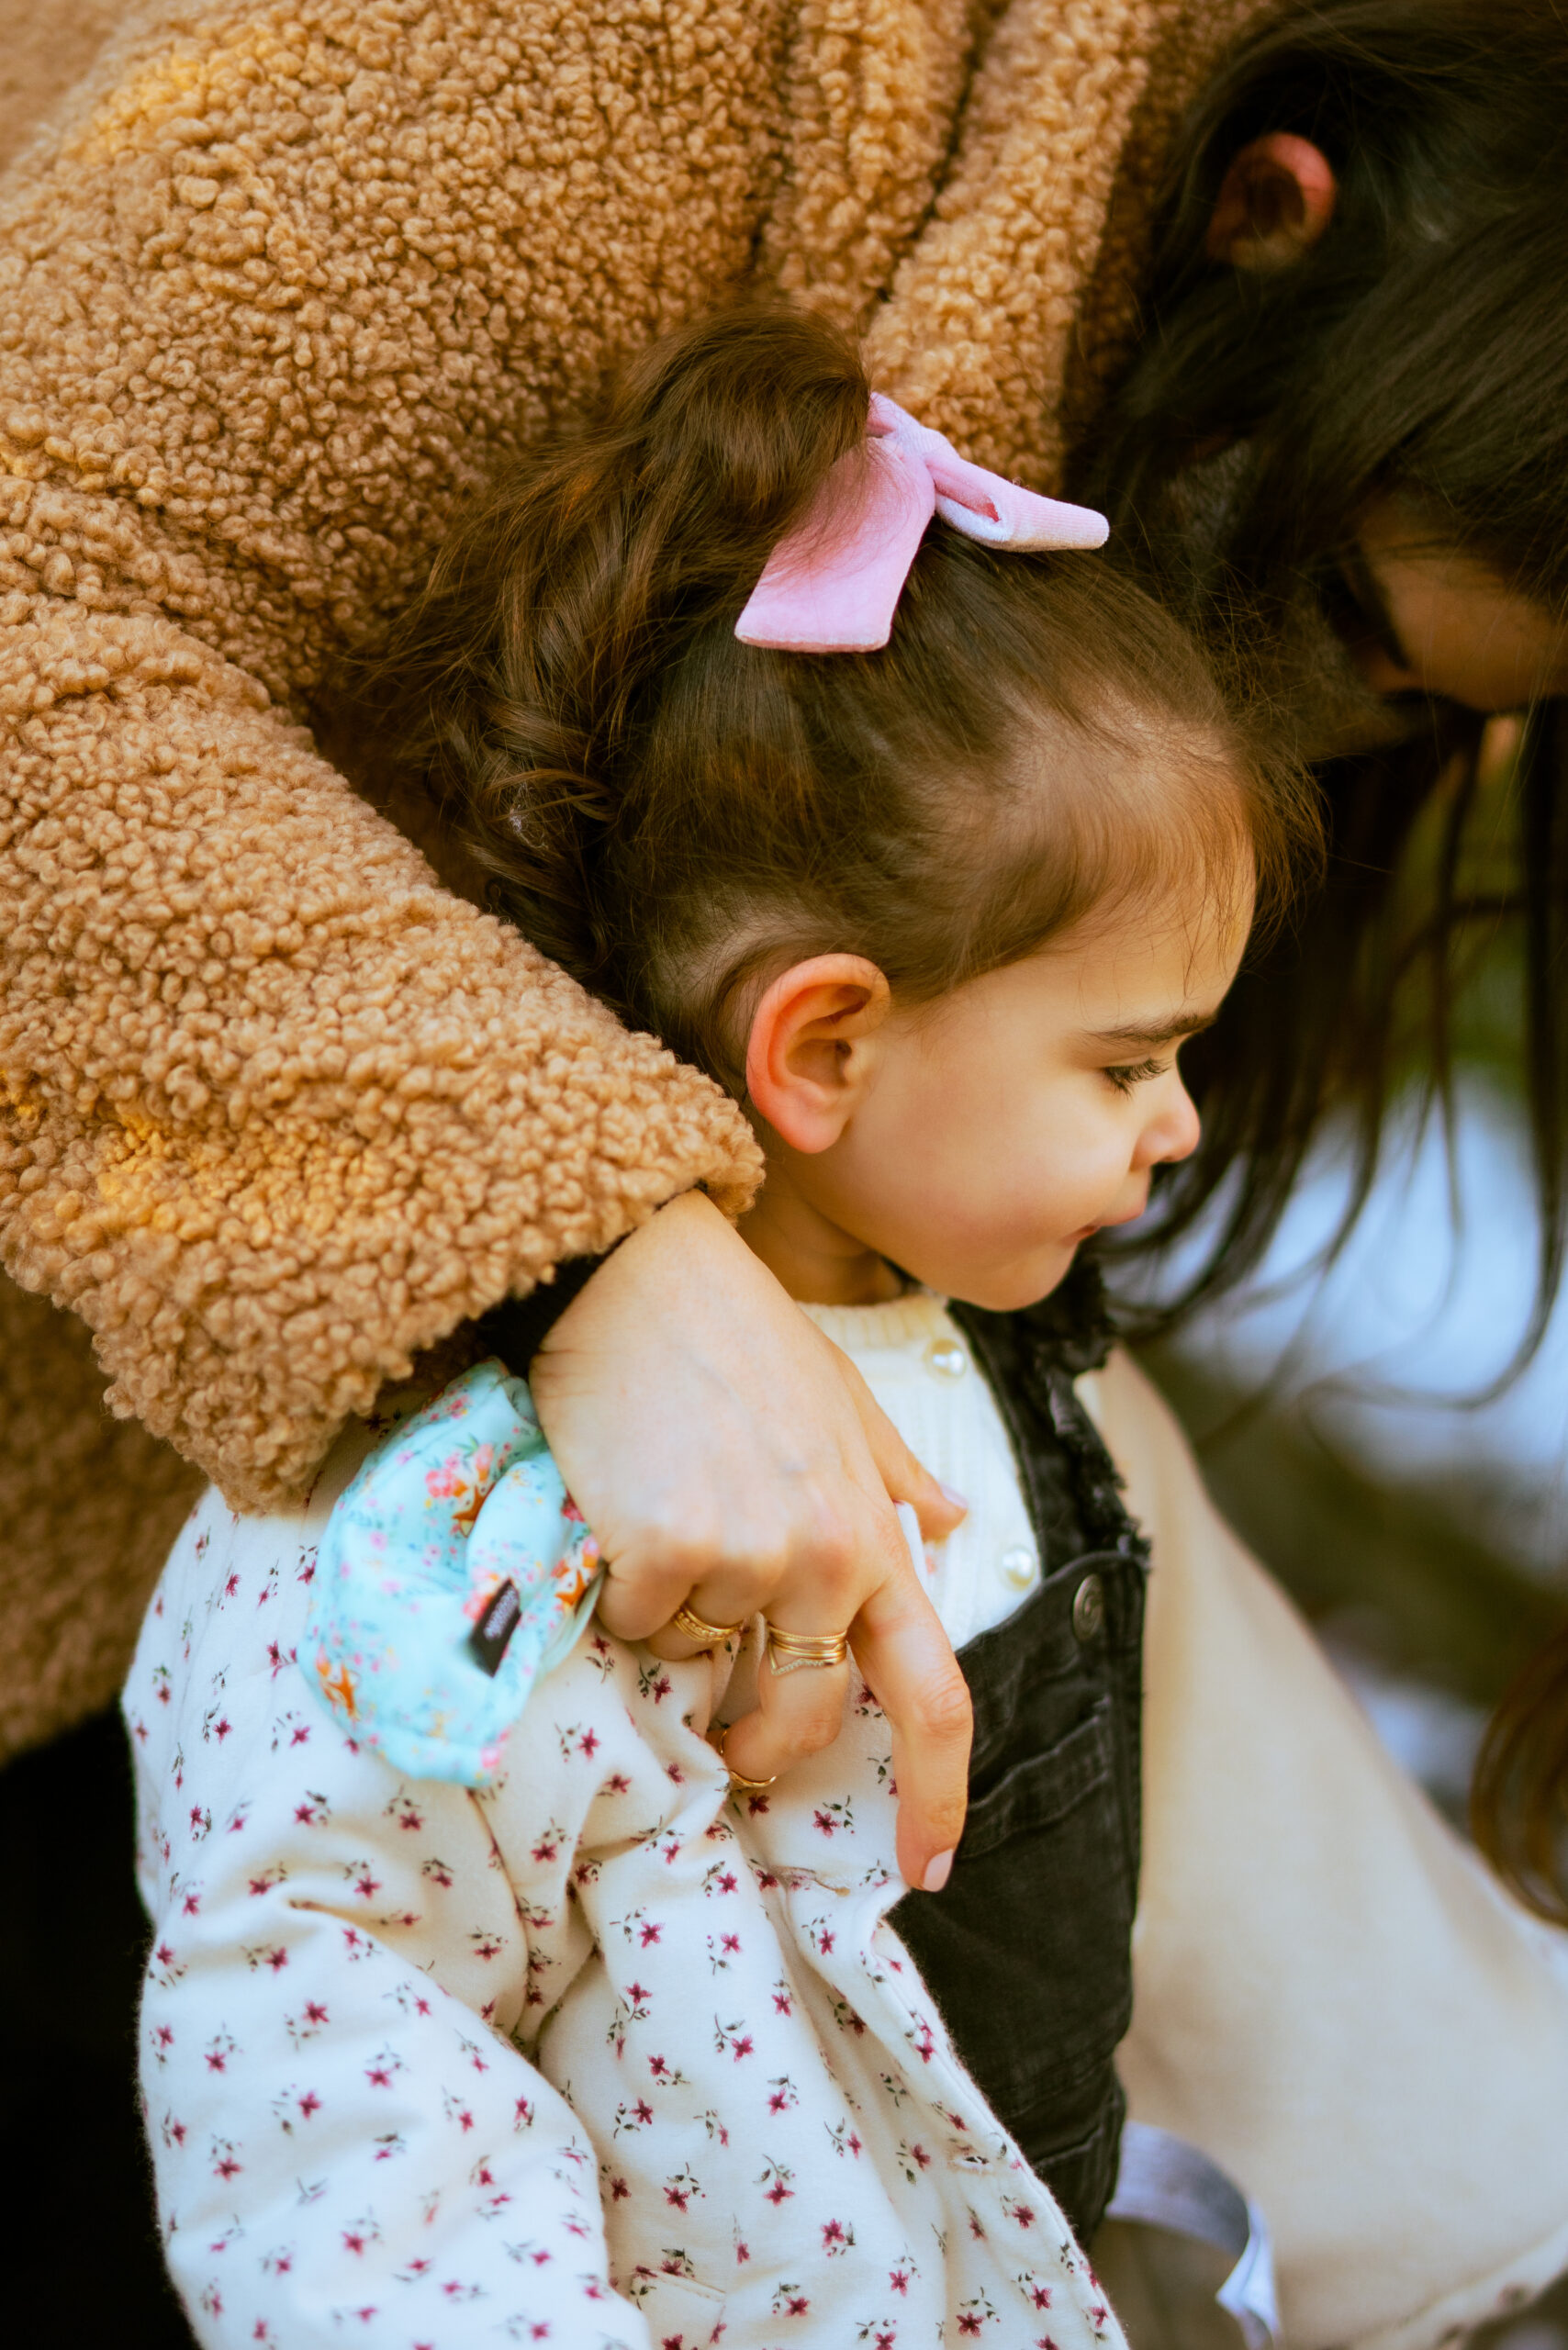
710 1636
739 1785
805 1651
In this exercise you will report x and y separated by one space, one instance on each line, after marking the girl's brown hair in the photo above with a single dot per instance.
671 814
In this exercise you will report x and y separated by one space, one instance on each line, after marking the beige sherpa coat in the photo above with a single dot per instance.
278 280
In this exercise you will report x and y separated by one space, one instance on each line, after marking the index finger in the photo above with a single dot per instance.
908 1663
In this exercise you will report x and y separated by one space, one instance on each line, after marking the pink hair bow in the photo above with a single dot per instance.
833 582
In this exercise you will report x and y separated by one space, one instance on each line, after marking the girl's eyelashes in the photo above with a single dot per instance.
1130 1073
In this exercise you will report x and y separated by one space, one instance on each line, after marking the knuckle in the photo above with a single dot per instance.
833 1543
620 1601
649 1589
752 1559
759 1565
649 1550
816 1728
809 1714
945 1819
941 1712
828 1564
682 1556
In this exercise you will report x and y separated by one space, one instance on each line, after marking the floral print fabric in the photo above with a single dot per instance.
589 2057
459 1501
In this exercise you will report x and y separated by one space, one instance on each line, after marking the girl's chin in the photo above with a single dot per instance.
1023 1282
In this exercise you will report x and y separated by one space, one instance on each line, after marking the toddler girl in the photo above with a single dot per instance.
488 1999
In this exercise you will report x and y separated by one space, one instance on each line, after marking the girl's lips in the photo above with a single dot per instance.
1106 1224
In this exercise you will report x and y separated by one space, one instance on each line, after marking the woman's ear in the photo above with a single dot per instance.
806 1064
1277 200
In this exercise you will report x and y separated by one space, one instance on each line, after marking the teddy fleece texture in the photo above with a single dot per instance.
279 279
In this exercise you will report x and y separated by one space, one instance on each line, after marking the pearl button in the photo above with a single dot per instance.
945 1358
1018 1565
1088 1607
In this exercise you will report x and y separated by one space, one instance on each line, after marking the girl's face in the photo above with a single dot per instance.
1439 622
978 1142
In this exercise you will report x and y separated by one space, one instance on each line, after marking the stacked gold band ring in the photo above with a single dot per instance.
710 1636
805 1651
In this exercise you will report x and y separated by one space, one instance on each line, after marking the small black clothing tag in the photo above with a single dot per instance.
488 1641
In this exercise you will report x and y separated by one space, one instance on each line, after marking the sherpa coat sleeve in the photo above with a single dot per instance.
280 282
277 283
278 1110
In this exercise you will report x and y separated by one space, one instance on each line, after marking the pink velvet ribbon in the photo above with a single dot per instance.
832 583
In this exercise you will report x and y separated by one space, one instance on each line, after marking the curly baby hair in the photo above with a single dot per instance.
673 815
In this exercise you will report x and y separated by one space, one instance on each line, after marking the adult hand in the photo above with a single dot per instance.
728 1456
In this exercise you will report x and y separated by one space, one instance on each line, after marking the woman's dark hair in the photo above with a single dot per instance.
672 814
1519 1803
1418 348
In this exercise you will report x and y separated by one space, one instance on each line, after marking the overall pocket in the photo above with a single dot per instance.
1039 1888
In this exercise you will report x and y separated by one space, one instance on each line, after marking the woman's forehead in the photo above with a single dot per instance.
1450 625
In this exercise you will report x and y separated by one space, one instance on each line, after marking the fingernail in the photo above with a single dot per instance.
951 1494
937 1872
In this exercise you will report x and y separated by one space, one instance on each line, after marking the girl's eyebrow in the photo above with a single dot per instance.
1184 1024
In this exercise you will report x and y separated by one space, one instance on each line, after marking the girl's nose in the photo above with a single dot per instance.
1172 1132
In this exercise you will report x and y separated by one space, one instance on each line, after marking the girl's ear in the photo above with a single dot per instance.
1277 200
806 1064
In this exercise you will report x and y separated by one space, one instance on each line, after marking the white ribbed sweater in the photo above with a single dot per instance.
917 1364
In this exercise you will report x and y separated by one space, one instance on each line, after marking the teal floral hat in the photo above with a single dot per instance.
454 1572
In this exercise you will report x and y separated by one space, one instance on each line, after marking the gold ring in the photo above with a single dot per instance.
739 1786
805 1651
711 1635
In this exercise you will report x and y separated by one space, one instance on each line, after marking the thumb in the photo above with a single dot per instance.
906 1478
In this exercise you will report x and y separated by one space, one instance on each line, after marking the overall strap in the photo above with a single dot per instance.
1029 1947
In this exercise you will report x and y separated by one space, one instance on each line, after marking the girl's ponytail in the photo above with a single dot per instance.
583 575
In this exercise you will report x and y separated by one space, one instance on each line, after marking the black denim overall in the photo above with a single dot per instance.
1028 1950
